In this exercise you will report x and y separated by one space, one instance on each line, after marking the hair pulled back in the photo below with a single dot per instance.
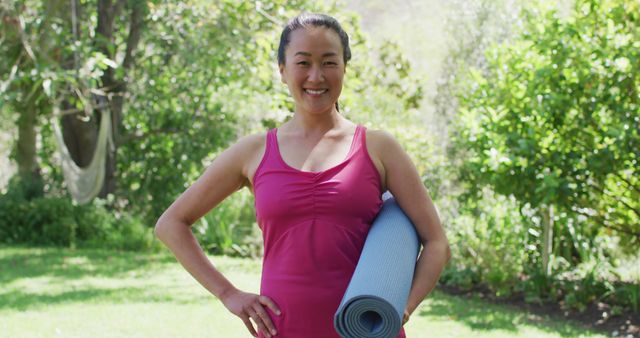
316 20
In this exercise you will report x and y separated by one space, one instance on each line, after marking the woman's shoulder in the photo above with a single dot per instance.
383 146
378 139
249 142
248 151
245 149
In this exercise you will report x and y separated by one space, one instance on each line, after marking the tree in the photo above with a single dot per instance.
46 70
554 121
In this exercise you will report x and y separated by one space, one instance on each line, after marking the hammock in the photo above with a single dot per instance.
85 183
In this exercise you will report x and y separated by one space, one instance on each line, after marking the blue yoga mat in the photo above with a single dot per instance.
374 302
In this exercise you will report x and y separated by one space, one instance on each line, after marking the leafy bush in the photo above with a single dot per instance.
230 228
488 244
532 126
12 224
51 221
57 221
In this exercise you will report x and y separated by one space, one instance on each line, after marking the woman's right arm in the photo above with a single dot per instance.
226 174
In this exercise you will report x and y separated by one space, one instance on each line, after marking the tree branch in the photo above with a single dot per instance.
637 189
135 30
619 198
601 220
5 84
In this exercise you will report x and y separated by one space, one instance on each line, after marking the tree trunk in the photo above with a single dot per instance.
28 109
116 89
547 239
26 146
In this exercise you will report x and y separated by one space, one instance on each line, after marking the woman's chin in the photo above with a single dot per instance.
319 109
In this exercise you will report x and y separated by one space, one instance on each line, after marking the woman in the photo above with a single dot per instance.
317 181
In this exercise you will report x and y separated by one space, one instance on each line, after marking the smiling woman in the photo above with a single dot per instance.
315 68
318 180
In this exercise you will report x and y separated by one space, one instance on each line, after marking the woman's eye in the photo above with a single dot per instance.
303 63
331 63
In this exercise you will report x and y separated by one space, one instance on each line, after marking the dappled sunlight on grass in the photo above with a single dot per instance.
39 277
480 316
99 293
73 264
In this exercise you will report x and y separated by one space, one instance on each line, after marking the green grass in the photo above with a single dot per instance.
96 293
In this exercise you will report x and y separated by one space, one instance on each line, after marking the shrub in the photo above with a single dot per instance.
58 221
230 228
51 221
488 245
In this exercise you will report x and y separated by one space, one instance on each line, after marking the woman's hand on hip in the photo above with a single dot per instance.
251 306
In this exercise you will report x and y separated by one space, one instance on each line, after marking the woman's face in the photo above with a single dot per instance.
314 69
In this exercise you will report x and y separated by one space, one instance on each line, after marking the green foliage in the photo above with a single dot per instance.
230 228
554 120
57 221
489 245
494 245
549 116
578 288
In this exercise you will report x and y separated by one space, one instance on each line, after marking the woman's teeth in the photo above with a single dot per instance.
315 92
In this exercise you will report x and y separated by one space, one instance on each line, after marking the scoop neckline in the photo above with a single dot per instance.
346 159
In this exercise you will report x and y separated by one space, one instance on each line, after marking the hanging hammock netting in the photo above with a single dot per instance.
85 183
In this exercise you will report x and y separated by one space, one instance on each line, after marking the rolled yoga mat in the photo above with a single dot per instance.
374 302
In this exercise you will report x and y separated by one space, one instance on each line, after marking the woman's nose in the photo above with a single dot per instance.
315 74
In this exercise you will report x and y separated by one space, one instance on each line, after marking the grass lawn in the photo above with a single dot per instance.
52 292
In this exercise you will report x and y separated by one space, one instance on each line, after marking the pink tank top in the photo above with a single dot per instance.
314 225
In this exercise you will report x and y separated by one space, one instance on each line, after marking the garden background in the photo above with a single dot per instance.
522 117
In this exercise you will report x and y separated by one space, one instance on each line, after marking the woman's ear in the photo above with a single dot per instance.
282 78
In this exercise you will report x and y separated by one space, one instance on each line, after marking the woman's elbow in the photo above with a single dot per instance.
444 249
168 224
162 227
439 248
447 252
159 229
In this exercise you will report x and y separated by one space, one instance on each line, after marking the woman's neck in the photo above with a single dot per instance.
315 124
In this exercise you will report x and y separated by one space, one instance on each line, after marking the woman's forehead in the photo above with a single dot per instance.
314 41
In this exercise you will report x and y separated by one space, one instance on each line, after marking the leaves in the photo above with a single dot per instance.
546 120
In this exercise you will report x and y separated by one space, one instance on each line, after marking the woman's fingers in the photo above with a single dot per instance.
270 303
264 322
249 326
252 309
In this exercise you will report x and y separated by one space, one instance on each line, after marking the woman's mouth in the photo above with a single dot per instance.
315 91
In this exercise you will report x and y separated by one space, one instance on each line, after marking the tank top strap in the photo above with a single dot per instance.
359 141
269 158
272 153
271 142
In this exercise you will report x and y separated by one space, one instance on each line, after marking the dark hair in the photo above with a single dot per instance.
312 19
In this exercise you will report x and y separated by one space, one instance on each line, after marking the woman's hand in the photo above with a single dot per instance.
249 305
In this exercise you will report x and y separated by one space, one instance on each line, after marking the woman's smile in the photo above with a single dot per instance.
315 92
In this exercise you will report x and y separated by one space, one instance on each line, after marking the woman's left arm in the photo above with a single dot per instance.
404 182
